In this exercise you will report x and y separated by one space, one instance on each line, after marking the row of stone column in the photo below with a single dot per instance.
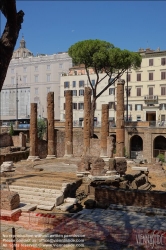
86 130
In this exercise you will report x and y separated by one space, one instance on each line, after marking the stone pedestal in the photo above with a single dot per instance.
104 130
33 154
68 124
120 132
50 126
86 129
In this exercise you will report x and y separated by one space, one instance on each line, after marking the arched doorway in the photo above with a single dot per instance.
159 146
136 147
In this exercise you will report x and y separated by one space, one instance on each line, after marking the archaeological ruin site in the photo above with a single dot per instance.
71 184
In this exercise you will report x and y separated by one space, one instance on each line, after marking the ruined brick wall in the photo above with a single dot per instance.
19 140
140 198
95 147
5 140
77 144
42 148
16 156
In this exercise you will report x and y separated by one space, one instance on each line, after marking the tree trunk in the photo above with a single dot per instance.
10 34
92 114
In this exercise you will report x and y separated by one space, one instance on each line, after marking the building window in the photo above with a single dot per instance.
129 107
60 65
138 118
162 118
138 91
163 61
163 90
12 80
12 71
81 92
75 72
138 77
81 83
150 62
48 78
111 105
93 83
129 77
66 84
163 75
48 67
36 68
81 105
24 69
36 91
74 92
64 106
162 106
48 89
111 91
150 90
24 54
74 84
138 107
24 79
74 105
36 78
150 76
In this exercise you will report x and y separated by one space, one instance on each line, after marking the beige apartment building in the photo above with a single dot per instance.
76 80
29 79
146 90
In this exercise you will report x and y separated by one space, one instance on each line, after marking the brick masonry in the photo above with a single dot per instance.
50 124
68 123
140 198
86 128
104 129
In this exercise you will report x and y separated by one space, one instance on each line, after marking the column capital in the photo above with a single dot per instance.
120 81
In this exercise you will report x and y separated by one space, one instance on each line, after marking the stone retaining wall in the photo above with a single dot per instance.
106 196
16 156
5 140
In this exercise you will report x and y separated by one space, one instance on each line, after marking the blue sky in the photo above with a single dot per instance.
53 26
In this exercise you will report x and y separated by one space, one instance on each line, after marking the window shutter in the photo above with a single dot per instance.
64 106
135 106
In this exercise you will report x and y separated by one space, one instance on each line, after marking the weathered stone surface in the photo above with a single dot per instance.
86 128
121 165
110 146
7 166
68 123
9 200
98 167
50 124
112 164
104 129
120 134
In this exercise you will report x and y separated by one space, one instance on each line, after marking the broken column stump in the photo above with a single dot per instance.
86 129
50 126
120 131
68 124
33 154
9 200
120 165
104 130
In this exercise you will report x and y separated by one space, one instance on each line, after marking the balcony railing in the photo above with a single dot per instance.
151 98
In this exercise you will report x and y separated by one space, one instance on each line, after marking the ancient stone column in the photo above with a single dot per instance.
68 124
86 128
33 154
50 126
120 132
104 130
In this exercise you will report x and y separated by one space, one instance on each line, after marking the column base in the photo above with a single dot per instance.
68 156
105 158
33 158
50 157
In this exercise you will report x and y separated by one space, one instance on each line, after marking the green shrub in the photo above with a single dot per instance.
41 128
11 131
161 157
